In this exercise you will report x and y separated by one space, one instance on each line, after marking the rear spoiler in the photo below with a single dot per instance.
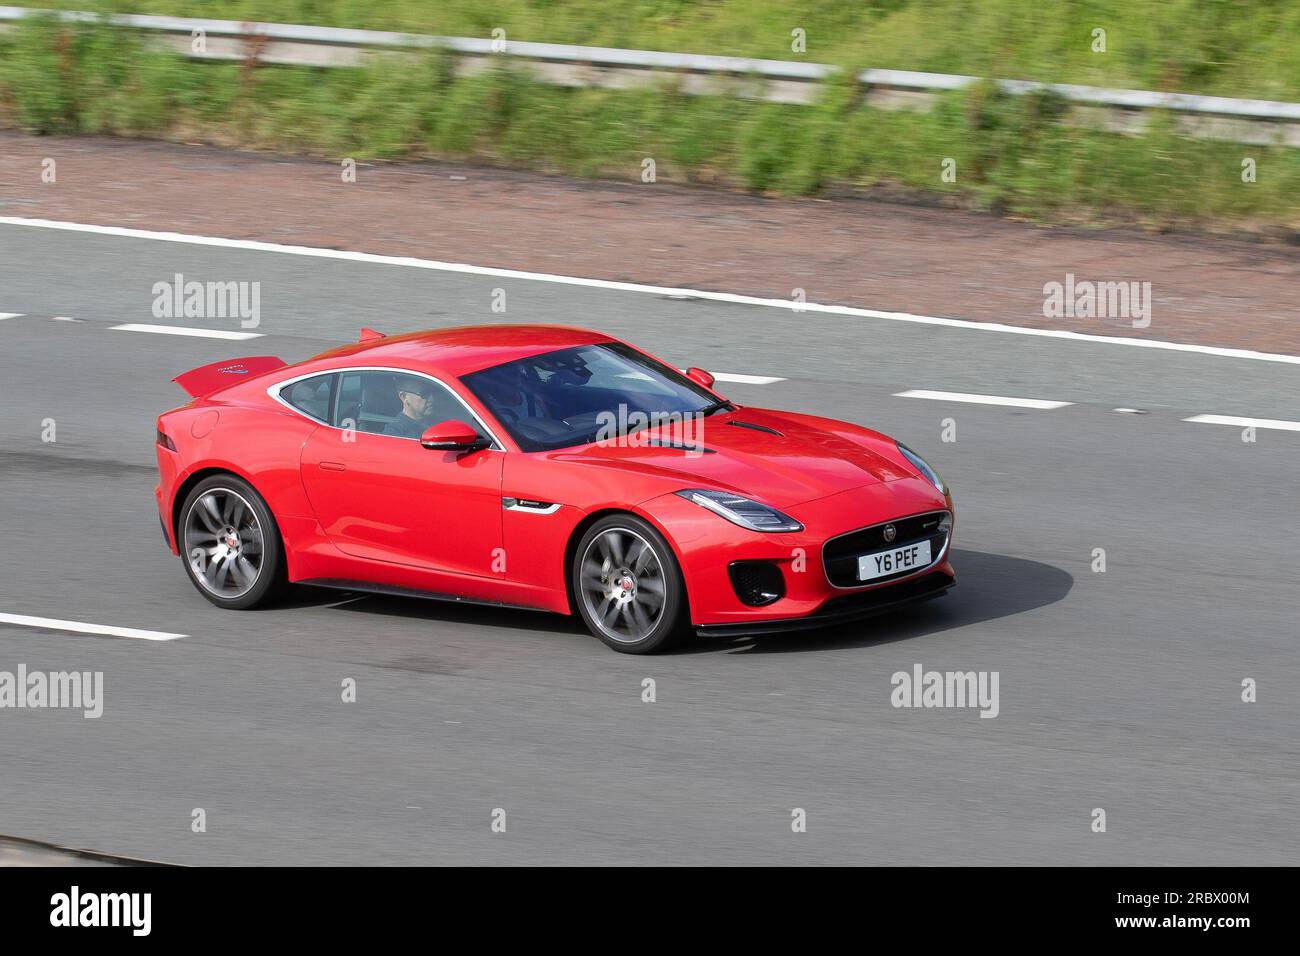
207 379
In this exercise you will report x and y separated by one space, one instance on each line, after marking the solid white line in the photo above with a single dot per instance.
414 263
81 628
746 379
981 399
176 330
1244 422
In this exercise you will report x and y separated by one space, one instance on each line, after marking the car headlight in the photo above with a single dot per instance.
745 512
923 467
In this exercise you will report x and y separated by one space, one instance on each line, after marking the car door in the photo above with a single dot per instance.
387 498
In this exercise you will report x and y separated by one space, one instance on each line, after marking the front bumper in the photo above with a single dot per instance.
846 608
707 544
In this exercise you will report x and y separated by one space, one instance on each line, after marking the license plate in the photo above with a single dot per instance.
882 563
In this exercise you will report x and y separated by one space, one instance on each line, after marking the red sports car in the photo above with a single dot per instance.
542 467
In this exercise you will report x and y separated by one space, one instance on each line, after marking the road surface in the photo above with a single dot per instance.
1119 690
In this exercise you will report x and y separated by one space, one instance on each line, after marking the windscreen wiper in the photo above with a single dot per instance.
717 406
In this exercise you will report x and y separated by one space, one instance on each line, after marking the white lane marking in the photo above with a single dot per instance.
176 330
79 627
414 263
1244 422
737 378
746 379
981 399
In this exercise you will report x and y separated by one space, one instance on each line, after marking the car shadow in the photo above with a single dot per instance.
989 586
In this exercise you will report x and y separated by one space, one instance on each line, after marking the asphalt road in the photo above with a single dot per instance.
1118 690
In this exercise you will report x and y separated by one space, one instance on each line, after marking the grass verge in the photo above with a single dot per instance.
1010 155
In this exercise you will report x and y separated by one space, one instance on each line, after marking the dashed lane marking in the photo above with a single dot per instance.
969 398
1244 422
80 627
179 330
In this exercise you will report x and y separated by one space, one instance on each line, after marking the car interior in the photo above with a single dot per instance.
563 398
368 401
551 402
311 396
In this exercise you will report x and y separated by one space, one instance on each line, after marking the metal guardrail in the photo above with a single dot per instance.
1241 120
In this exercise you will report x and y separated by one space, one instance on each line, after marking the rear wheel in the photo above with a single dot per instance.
627 585
230 544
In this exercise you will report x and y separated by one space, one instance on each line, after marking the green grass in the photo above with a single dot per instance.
1013 155
1226 47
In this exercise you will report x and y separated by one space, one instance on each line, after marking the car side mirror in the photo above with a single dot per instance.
452 436
700 377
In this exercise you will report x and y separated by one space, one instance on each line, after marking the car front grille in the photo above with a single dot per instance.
840 554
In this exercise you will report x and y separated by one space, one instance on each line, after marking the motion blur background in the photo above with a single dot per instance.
1026 156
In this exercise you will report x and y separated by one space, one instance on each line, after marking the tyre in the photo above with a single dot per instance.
230 545
627 585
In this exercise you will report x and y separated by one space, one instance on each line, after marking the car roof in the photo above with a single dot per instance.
461 350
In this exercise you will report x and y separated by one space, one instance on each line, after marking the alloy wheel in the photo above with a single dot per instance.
224 543
623 586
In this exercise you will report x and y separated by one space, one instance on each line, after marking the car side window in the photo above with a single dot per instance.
311 396
396 403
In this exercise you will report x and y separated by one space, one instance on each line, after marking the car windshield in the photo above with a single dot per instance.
581 395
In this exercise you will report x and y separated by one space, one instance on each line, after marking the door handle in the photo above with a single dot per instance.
332 466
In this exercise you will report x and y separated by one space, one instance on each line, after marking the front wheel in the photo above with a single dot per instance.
230 544
627 585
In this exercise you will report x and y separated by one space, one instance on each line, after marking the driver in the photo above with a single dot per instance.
416 396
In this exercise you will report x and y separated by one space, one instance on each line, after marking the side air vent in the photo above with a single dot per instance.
756 583
757 428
